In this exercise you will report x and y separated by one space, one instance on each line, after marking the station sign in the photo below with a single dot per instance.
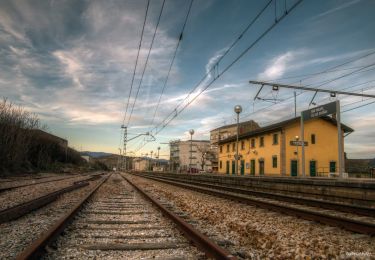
298 143
319 111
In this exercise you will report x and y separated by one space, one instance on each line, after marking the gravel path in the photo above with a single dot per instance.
19 195
119 216
262 234
17 234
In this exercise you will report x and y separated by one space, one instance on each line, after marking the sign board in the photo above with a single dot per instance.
319 111
298 143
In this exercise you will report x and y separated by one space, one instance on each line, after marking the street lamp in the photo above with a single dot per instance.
191 148
237 110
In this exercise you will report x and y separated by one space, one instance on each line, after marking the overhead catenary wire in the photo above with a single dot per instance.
208 73
136 61
350 109
172 61
175 112
133 76
331 69
147 58
322 83
230 65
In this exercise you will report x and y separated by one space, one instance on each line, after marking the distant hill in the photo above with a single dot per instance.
96 154
359 165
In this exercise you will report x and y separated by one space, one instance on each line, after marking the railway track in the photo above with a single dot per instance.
359 219
116 219
32 182
21 209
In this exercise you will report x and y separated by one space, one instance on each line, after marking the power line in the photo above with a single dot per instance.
145 66
358 107
174 56
177 112
336 66
311 89
208 73
331 69
136 62
135 69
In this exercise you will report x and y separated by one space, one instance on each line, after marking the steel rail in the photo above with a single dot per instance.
345 223
41 182
22 209
200 240
37 247
359 210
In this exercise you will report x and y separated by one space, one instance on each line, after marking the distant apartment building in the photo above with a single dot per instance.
186 155
225 132
149 164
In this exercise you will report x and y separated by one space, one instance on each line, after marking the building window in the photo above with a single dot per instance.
275 139
221 164
242 145
252 143
227 148
274 161
233 147
332 166
261 141
221 148
313 139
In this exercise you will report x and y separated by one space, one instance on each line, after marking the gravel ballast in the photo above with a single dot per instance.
257 233
17 234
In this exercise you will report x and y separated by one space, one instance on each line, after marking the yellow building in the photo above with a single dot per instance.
272 150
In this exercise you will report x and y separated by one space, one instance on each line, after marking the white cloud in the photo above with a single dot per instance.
73 67
343 6
278 66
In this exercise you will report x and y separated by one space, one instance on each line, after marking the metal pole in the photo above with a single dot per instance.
296 138
191 151
303 147
295 104
118 160
339 136
125 141
238 119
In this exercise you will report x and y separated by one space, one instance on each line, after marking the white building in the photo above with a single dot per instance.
141 164
193 154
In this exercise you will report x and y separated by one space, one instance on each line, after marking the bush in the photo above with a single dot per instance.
24 146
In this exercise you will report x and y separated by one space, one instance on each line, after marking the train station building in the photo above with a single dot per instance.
273 150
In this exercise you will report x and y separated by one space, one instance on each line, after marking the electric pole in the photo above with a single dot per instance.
124 145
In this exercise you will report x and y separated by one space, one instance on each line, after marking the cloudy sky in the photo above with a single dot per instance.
72 63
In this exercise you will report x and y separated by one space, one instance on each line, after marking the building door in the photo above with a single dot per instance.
252 167
261 167
312 168
242 167
332 166
233 167
293 167
227 168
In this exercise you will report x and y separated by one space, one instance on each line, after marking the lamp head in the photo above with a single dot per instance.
191 131
238 109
